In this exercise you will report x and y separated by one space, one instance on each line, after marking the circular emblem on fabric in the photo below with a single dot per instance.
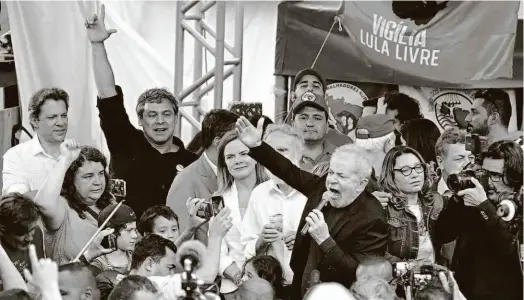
345 105
451 107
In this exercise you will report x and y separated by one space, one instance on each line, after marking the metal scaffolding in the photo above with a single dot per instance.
201 84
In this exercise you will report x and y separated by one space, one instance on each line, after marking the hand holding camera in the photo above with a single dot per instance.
473 196
221 223
103 243
193 205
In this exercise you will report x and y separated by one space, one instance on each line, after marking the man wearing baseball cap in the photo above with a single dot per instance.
310 115
309 81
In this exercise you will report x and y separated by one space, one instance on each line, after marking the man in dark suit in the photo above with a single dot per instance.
352 226
199 180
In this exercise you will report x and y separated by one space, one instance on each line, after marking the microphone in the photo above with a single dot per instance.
323 202
191 255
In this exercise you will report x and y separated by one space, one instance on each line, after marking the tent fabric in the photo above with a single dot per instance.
52 50
344 59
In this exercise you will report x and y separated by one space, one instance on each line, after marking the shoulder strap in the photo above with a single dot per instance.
92 213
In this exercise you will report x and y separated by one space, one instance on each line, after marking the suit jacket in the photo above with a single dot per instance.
361 231
196 181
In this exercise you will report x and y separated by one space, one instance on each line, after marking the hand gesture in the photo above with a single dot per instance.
381 106
221 223
193 204
289 240
318 228
269 233
474 196
383 197
45 272
96 27
95 249
247 133
69 150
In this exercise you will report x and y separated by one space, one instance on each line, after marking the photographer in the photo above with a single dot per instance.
486 258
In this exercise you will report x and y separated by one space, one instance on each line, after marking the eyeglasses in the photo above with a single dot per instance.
495 177
406 171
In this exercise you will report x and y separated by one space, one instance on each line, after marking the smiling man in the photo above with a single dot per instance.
352 226
149 159
26 165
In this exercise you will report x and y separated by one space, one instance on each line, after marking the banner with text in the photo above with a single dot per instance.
452 41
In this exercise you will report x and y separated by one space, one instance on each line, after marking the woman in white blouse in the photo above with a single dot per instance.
238 175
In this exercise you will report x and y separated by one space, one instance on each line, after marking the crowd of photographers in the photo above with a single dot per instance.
254 210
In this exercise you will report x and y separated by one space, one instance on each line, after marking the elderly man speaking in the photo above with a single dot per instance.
351 226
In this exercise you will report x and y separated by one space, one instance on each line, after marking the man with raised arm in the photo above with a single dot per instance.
149 159
351 226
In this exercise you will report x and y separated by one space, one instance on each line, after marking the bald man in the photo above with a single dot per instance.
77 282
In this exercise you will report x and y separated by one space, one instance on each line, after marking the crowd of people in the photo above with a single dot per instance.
264 211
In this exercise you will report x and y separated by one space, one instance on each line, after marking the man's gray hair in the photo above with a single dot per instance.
358 156
291 132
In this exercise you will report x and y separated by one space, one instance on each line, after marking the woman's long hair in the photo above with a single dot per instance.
422 135
69 191
387 177
225 179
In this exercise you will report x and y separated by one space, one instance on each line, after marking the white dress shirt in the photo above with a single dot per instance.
26 167
267 200
442 188
232 250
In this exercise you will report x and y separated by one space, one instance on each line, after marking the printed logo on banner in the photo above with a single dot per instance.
345 106
451 106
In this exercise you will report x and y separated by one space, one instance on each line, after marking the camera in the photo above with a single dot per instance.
476 143
109 242
426 275
118 188
417 276
461 181
211 207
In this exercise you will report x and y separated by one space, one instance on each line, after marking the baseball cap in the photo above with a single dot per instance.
122 216
316 101
374 126
305 72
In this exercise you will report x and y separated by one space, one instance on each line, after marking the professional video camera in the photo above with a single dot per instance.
415 276
191 256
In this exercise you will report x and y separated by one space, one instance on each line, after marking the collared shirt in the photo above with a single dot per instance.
26 167
442 188
307 163
268 200
211 164
147 172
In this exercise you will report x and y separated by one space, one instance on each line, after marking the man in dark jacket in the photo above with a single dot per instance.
351 226
147 160
486 260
